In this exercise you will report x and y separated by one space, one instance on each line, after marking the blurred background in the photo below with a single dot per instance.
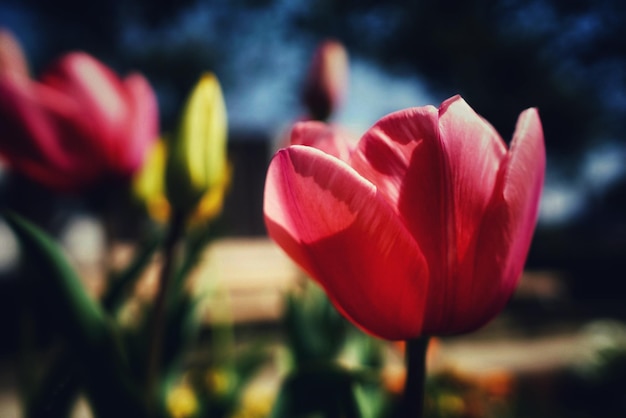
568 59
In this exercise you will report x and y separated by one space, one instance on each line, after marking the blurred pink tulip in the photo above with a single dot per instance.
327 82
79 124
331 139
424 230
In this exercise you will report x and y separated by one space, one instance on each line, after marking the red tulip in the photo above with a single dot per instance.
425 230
79 124
327 81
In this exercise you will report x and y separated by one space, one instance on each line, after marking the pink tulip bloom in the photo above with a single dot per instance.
79 124
424 230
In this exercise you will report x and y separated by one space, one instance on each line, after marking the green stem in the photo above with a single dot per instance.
26 355
413 397
176 226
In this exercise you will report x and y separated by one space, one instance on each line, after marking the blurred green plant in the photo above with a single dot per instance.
127 356
334 370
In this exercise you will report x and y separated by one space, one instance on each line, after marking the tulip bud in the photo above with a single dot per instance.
149 189
327 81
196 162
148 184
12 60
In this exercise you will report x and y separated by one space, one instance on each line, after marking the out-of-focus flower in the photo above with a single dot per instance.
460 394
451 405
498 384
149 188
326 85
221 381
77 125
425 230
196 168
182 402
393 378
12 60
328 138
257 402
149 183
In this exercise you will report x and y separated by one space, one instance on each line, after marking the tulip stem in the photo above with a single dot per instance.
157 334
412 405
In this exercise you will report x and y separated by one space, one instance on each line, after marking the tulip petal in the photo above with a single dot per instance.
402 155
328 138
342 231
99 93
438 168
149 185
383 155
143 126
79 124
508 225
36 121
473 153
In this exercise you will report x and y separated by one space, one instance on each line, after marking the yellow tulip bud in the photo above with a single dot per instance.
149 184
149 189
196 162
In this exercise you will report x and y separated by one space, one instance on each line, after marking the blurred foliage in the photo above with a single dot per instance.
100 347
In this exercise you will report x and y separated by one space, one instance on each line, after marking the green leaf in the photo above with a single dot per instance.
82 321
315 330
249 361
